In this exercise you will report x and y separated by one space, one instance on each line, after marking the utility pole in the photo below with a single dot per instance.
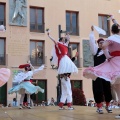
59 89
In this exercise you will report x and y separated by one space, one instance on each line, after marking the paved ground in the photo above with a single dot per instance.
52 113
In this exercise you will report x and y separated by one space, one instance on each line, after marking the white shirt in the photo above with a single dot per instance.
93 45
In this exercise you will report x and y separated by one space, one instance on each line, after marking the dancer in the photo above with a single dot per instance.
4 72
110 69
65 66
4 76
101 88
25 85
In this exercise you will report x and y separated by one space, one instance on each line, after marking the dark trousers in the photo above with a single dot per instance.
101 90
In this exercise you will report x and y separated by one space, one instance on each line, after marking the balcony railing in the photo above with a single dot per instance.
2 59
37 28
37 61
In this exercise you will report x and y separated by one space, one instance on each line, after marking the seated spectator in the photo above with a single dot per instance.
48 102
52 102
14 103
43 103
9 105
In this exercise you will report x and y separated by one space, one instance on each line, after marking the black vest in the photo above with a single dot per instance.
99 59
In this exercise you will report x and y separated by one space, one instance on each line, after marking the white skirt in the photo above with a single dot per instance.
67 66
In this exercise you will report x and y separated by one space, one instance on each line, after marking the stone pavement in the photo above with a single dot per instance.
52 113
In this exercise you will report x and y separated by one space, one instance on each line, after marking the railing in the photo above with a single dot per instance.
73 31
37 61
2 59
37 28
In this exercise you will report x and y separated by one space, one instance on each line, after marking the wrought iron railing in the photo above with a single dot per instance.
2 59
37 61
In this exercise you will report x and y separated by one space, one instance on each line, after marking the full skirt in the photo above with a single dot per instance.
67 66
26 87
109 70
4 76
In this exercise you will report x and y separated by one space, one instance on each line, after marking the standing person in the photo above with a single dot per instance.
25 99
25 85
66 94
52 102
110 69
101 88
65 66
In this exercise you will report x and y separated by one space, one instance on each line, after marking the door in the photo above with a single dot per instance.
39 97
3 95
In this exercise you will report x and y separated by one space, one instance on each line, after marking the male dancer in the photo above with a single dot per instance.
101 88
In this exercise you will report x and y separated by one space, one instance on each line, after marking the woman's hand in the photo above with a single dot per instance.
48 33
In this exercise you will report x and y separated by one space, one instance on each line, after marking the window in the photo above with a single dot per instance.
37 52
36 20
2 14
3 95
104 24
72 22
76 84
2 51
73 48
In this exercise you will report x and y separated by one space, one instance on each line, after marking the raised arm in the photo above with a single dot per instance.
114 20
67 38
38 69
51 38
93 46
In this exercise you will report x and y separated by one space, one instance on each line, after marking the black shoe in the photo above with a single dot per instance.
109 110
99 110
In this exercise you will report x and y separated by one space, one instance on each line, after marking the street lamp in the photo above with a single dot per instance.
58 77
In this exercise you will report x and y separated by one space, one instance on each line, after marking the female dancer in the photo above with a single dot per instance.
4 72
101 88
25 85
110 69
65 66
4 76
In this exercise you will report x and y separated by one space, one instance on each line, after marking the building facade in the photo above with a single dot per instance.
25 38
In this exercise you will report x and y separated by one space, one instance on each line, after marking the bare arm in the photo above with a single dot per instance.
38 69
51 38
68 38
93 46
114 20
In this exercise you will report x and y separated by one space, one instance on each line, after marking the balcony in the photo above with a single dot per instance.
37 61
2 59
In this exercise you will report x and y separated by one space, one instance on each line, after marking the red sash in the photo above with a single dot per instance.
115 53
